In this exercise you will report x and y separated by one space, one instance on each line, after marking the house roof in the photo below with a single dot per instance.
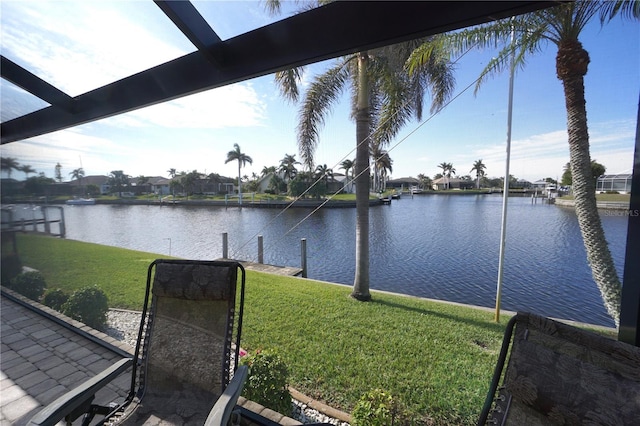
159 180
90 180
410 180
301 39
450 180
619 176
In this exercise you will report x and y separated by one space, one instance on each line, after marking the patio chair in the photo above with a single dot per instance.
186 353
560 374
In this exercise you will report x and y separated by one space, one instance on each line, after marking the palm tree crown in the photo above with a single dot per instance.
9 164
288 166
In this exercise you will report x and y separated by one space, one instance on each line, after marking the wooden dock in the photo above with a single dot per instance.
270 269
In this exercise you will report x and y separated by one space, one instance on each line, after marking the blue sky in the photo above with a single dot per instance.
79 46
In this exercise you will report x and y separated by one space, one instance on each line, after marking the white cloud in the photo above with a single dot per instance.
236 105
78 46
71 148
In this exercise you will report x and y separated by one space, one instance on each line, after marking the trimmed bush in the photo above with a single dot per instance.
29 284
55 298
379 408
268 381
88 305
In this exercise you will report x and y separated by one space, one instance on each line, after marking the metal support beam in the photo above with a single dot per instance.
33 84
326 32
188 20
629 331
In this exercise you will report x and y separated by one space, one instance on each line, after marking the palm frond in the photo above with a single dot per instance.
272 7
629 9
319 98
287 81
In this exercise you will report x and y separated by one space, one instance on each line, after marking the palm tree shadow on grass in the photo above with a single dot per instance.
491 326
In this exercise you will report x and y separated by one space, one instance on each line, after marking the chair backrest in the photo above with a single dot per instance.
560 374
189 334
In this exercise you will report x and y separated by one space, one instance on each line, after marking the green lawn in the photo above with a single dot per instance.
436 357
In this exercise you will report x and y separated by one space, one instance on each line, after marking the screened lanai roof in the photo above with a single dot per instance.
209 57
213 59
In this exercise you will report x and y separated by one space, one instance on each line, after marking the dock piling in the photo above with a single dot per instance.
225 245
303 257
260 249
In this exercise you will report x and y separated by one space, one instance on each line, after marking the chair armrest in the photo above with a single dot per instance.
61 407
220 414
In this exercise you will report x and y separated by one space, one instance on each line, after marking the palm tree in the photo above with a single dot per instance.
27 170
142 180
288 166
325 173
347 165
8 165
381 163
242 158
425 181
478 167
445 167
77 174
118 179
384 98
560 25
172 173
58 172
266 170
450 170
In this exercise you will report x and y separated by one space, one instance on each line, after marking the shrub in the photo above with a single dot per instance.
268 381
55 298
29 284
88 305
11 268
378 408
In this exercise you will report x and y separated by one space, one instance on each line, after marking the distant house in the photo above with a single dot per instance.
452 183
540 185
98 180
403 183
159 185
264 182
340 183
218 185
620 183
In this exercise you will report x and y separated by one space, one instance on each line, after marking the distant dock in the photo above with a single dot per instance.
270 269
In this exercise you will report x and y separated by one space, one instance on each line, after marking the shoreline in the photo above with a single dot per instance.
602 205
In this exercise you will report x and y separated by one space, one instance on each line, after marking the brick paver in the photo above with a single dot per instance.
42 360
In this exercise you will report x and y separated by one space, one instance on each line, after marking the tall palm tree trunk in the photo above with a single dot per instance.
239 182
361 280
571 66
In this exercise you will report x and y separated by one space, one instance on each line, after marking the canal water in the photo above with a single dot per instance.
437 246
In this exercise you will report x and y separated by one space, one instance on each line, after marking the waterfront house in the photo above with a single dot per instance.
159 185
620 183
98 180
452 183
403 183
